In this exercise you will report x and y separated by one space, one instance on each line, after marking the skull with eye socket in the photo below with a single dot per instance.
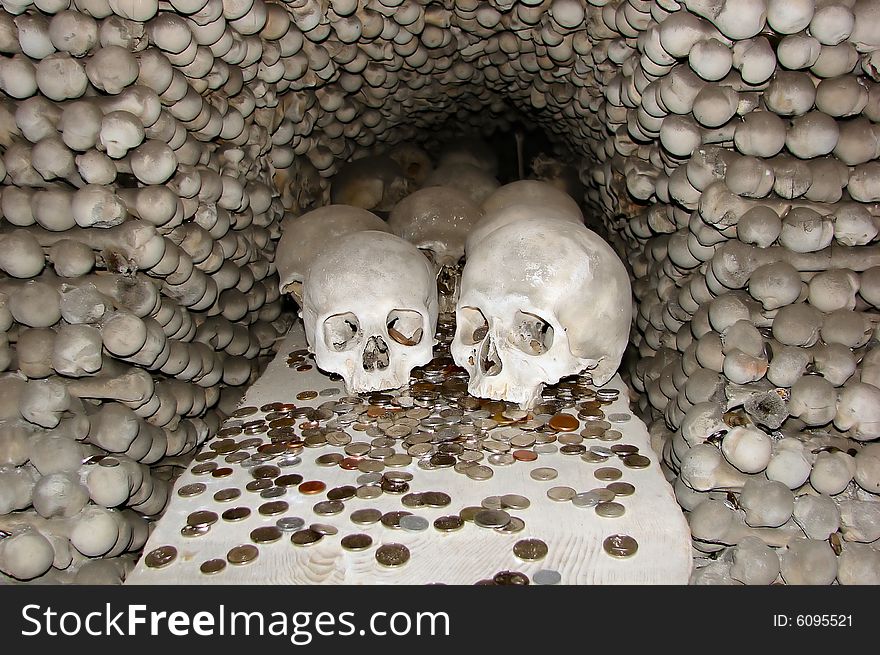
437 220
370 310
541 299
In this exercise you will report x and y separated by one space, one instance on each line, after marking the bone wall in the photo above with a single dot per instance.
150 150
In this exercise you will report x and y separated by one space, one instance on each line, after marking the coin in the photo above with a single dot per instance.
620 546
243 411
413 523
258 485
305 537
610 510
479 472
607 473
514 501
511 578
564 423
392 519
290 523
573 449
610 435
368 492
356 542
436 499
224 472
603 451
273 508
273 492
212 566
524 455
328 507
190 531
392 555
307 395
312 487
265 472
324 529
547 577
266 535
204 468
242 554
585 499
530 550
561 494
543 473
365 516
636 461
593 458
329 459
236 514
448 523
469 513
619 418
160 557
226 495
624 449
202 517
492 518
189 490
621 488
288 480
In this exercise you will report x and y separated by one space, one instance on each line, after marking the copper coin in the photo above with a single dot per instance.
224 472
365 516
258 485
312 487
636 461
212 566
305 537
448 523
525 455
189 490
202 517
620 546
307 395
350 463
242 554
607 473
265 535
236 514
621 488
392 555
564 423
356 542
530 550
511 578
160 557
273 508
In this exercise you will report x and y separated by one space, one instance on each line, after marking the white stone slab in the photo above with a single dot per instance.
574 536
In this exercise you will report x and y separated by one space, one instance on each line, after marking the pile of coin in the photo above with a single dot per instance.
433 424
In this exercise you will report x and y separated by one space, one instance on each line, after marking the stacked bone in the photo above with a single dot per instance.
139 290
746 131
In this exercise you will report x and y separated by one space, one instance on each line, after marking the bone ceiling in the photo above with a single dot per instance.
151 148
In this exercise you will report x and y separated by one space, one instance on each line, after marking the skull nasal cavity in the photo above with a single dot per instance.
341 331
490 362
376 354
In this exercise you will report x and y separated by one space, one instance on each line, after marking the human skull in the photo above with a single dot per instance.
370 310
374 183
437 220
562 306
304 237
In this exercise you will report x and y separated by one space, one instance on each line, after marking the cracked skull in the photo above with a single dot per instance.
562 306
370 310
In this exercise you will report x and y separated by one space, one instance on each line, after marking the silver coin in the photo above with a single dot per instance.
602 451
547 577
369 478
290 523
543 473
502 459
514 501
546 448
413 523
619 418
479 472
586 499
273 492
290 460
492 502
561 494
492 518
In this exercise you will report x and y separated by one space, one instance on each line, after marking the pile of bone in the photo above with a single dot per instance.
743 154
138 295
532 274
